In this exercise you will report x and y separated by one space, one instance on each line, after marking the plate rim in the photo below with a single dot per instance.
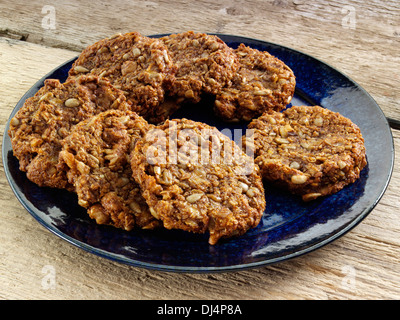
198 269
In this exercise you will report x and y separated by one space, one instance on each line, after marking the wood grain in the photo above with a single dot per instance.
363 264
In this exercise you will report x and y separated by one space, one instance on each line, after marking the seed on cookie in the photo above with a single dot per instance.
208 189
320 154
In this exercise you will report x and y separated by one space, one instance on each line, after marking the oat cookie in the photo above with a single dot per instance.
96 153
205 64
46 118
309 150
140 66
196 179
262 83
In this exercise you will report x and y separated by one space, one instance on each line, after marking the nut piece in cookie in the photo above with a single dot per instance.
46 118
96 153
140 66
196 179
309 150
262 83
205 64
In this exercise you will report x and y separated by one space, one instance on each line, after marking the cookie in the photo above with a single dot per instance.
196 179
46 118
262 83
140 66
96 153
204 64
309 150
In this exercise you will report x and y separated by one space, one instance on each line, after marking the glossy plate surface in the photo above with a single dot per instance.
289 227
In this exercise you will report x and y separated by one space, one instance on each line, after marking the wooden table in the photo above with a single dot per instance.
362 39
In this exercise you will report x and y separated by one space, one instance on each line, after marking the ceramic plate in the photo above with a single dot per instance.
289 227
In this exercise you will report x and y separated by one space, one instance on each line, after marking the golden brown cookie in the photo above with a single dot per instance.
262 83
96 153
309 150
204 64
140 66
46 118
196 179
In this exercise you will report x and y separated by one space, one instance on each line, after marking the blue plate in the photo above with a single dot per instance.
289 227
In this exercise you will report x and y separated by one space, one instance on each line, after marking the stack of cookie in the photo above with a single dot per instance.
158 76
105 135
